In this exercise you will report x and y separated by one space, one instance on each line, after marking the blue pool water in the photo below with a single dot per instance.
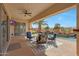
72 39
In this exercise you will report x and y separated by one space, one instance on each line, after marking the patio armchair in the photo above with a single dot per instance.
29 35
42 38
51 36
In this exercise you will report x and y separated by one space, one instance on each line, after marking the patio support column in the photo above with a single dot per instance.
78 28
29 26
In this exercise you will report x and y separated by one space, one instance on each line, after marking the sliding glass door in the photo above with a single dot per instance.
20 28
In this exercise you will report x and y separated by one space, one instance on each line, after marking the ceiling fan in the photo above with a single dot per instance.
25 12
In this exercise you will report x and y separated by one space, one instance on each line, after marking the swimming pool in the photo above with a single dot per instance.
72 39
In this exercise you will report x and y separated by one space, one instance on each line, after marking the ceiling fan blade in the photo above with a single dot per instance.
29 13
25 12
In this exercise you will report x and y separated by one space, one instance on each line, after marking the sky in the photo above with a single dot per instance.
65 19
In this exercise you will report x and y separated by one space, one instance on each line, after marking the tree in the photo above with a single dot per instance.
57 28
46 28
40 23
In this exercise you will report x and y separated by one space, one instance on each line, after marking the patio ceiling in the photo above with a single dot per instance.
55 9
14 10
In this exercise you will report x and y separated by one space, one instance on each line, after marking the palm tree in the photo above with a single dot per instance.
47 27
40 23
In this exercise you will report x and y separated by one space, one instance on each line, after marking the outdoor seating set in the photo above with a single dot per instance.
42 38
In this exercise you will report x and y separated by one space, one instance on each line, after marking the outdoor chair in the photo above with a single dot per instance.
52 37
31 38
42 38
29 35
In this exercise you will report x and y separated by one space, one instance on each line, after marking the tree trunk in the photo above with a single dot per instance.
39 27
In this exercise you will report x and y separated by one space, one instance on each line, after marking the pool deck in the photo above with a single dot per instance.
67 48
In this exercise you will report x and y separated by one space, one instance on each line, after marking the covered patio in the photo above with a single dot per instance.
19 45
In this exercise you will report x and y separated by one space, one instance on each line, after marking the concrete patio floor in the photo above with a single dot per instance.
24 50
67 48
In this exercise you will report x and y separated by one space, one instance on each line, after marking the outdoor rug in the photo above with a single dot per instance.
14 46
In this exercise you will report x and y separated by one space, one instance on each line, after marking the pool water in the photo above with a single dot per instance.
65 37
72 39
